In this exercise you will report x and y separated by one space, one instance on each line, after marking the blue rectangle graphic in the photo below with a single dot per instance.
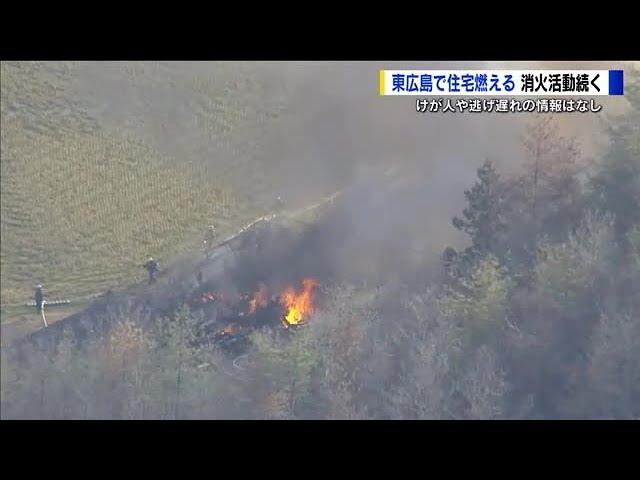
616 81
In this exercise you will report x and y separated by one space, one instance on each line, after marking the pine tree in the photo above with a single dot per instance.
549 190
483 219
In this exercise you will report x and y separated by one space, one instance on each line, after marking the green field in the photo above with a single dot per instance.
104 164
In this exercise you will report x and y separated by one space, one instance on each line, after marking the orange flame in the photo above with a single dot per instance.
298 305
229 329
260 299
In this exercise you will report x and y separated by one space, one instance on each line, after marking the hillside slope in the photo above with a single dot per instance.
104 164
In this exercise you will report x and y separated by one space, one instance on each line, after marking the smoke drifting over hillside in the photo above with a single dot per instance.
331 125
513 321
337 129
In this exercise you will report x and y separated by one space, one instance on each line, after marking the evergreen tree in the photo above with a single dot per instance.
550 182
483 218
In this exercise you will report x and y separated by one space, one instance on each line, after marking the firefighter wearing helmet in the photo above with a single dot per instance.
152 268
209 240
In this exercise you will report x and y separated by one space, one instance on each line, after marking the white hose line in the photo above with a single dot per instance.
238 358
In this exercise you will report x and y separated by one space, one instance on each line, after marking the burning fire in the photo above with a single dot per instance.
298 305
260 299
295 307
229 330
207 297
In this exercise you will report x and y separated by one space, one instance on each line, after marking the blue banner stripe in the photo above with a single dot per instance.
616 82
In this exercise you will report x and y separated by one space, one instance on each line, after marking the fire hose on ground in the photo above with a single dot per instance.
51 303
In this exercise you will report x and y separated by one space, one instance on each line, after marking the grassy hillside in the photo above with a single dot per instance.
105 164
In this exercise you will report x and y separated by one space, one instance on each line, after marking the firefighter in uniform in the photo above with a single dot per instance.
152 268
209 240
